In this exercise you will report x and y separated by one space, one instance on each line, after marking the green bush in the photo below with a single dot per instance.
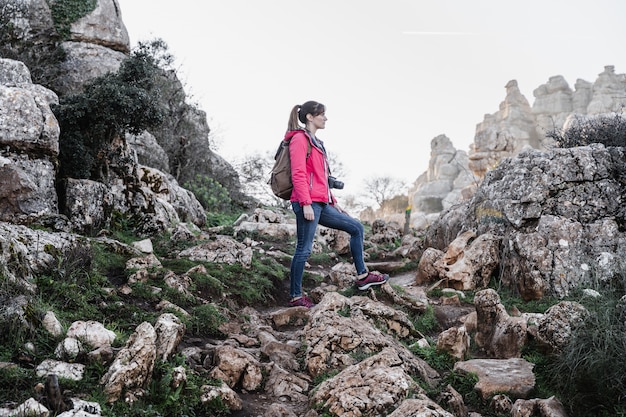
607 130
211 194
109 106
590 372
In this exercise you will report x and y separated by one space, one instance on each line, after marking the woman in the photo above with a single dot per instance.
313 202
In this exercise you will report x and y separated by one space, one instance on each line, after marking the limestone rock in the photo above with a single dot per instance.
498 334
27 123
73 371
20 242
371 387
103 26
228 397
52 324
511 376
148 150
549 407
469 261
608 92
440 187
92 333
563 221
170 331
455 341
133 365
513 128
222 250
555 327
234 366
420 407
87 204
332 339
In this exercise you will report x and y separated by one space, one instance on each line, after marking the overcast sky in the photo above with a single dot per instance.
393 74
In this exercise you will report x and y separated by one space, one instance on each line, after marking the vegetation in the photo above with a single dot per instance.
604 129
213 196
66 12
38 47
589 374
126 101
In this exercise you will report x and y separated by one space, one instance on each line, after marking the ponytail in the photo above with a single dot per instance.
293 119
299 113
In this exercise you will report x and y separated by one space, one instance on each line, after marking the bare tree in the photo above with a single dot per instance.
383 188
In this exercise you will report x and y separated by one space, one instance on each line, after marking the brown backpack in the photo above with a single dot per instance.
280 177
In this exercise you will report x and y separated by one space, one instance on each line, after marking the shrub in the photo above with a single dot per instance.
589 373
126 101
607 130
211 194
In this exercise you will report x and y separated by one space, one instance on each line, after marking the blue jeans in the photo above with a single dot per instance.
326 215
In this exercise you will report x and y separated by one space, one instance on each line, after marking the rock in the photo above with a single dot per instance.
92 333
227 396
87 205
470 261
513 377
341 328
440 187
148 151
234 366
549 407
30 408
455 341
553 224
498 334
370 387
170 331
556 326
52 324
103 26
27 124
287 386
221 250
73 371
420 407
133 365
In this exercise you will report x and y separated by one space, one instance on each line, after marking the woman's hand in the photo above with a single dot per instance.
339 209
308 212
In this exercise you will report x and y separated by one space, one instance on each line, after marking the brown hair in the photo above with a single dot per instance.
299 113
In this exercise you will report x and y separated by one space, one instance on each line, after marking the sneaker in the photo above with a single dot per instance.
303 301
371 279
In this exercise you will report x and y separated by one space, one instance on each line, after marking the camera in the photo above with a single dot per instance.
335 183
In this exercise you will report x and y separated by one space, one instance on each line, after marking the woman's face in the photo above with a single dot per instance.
319 121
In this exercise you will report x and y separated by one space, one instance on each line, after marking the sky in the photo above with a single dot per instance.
393 74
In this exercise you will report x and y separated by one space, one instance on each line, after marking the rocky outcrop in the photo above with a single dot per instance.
442 185
97 45
560 215
29 136
514 127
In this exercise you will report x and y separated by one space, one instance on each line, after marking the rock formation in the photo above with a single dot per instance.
514 127
560 214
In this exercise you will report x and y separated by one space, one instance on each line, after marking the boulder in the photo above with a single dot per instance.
498 334
513 377
133 365
560 229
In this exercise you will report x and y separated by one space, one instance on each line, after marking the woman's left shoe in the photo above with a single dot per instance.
303 301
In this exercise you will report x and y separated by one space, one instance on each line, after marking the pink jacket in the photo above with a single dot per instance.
308 174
